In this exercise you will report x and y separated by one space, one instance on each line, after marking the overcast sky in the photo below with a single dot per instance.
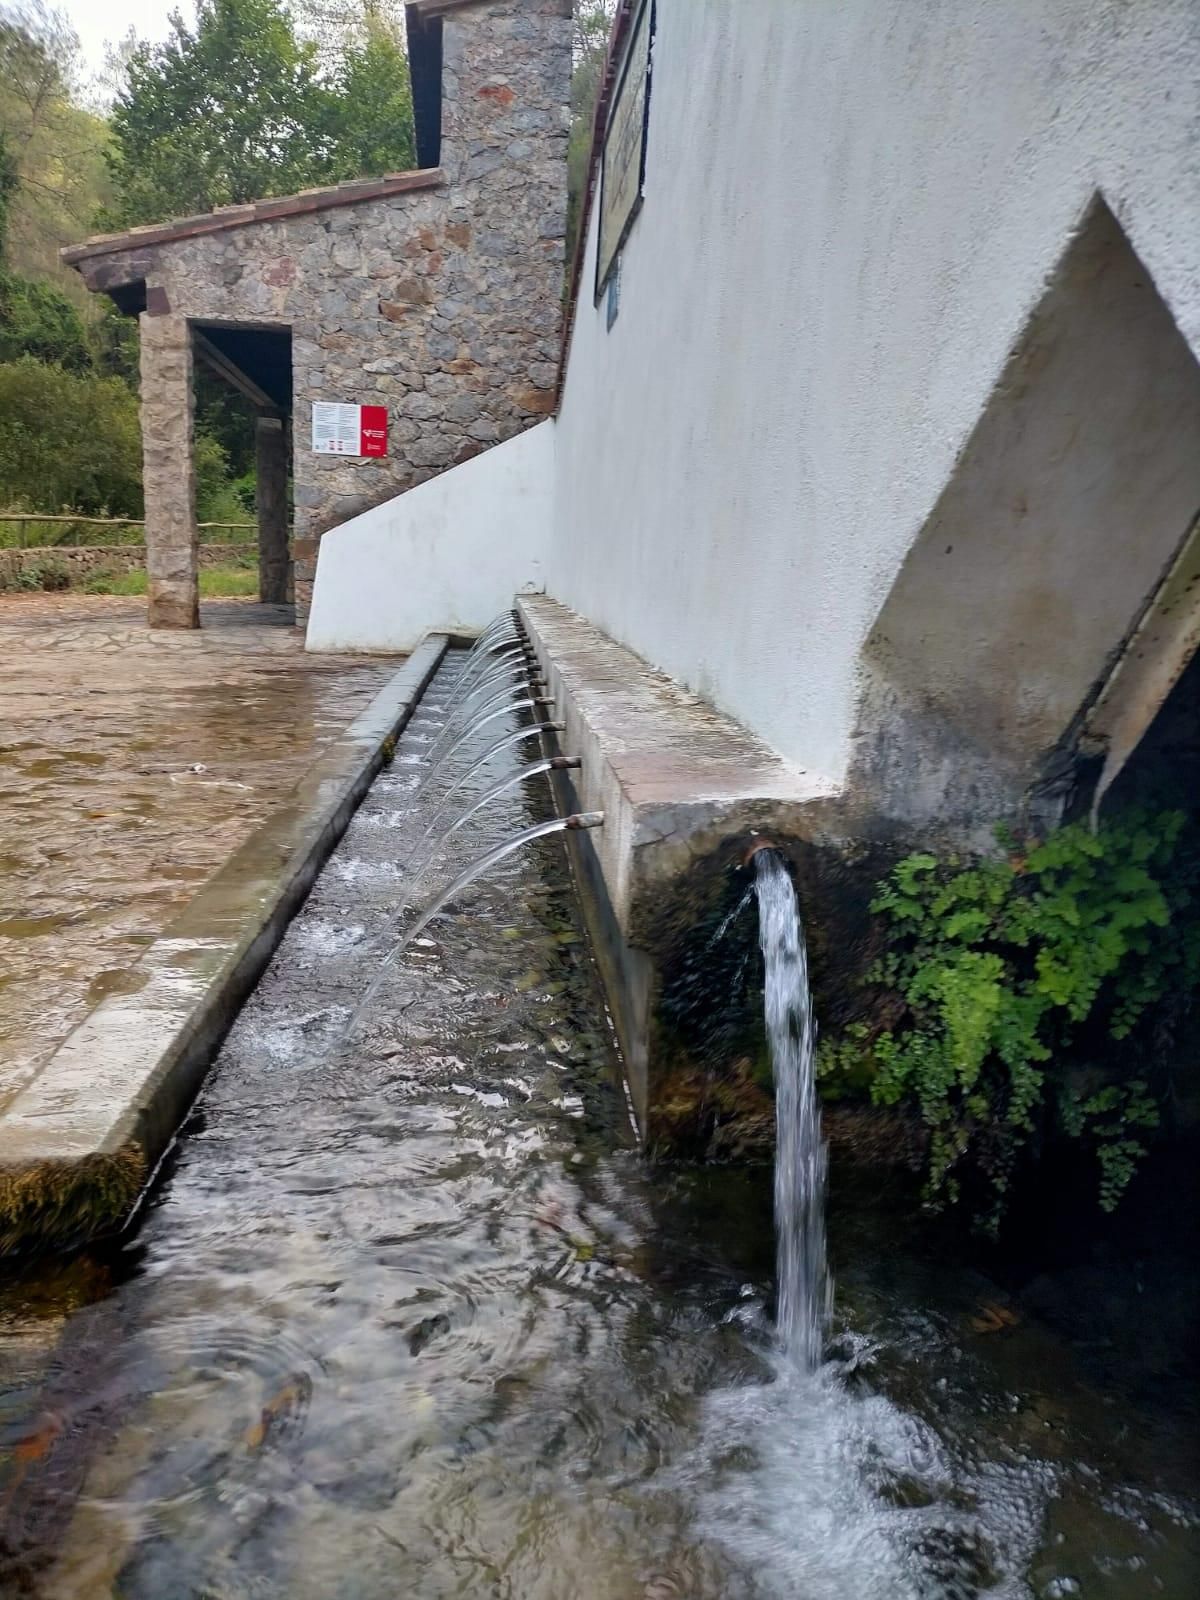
102 22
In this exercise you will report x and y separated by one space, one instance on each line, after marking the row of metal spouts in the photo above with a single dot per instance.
503 662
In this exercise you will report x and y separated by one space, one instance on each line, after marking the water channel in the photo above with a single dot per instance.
414 1317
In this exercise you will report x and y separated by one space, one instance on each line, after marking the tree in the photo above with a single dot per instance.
241 107
338 26
55 148
113 340
68 441
593 24
215 116
37 319
371 114
9 183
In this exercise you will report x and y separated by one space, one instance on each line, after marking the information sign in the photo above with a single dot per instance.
348 430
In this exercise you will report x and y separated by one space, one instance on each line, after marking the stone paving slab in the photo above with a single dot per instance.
80 1142
132 764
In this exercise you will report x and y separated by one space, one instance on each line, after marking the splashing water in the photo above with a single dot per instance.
800 1159
481 864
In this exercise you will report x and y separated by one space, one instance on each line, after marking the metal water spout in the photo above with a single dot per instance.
756 844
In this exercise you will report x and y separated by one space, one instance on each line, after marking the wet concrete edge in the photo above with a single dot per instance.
79 1144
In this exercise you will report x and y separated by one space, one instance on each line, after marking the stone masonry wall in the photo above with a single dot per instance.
79 562
442 304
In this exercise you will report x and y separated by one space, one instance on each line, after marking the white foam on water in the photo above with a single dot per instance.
485 1097
357 870
286 1042
837 1496
570 1103
322 938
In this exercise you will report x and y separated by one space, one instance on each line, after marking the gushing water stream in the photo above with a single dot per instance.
800 1157
585 819
515 736
522 775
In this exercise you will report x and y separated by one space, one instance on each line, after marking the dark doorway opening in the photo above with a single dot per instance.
244 400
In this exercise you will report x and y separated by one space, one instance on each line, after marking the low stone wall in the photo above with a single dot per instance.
84 561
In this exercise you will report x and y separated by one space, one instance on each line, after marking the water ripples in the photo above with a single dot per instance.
409 1318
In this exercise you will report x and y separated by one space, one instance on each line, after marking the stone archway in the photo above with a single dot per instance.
257 362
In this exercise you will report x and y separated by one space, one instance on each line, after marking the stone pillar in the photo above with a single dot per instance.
273 560
168 469
304 575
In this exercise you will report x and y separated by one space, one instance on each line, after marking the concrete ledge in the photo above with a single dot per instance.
80 1143
684 790
667 769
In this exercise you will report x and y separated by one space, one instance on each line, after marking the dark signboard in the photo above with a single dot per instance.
623 161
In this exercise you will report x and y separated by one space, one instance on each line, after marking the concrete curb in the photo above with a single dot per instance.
79 1144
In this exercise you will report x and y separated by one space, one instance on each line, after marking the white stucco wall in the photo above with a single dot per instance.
851 211
447 555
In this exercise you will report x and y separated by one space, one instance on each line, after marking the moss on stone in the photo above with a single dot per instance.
58 1204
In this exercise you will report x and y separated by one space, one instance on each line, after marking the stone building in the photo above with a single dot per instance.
434 294
869 515
879 424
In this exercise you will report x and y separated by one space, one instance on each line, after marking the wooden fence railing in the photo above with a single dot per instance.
69 530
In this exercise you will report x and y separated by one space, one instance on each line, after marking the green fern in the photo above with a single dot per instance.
1000 964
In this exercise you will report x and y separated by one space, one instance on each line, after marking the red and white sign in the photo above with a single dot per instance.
348 430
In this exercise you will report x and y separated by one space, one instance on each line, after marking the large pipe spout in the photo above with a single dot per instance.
755 846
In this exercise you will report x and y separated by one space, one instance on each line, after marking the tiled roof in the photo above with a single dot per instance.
224 217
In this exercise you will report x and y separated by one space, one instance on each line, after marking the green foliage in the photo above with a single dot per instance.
68 441
1008 968
1112 1118
240 106
9 184
232 582
113 341
46 574
55 145
593 23
38 320
215 500
215 582
229 417
369 114
245 492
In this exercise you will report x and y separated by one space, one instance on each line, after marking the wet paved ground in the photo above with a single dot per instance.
131 764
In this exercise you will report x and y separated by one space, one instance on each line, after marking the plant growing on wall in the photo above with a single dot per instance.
1016 975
